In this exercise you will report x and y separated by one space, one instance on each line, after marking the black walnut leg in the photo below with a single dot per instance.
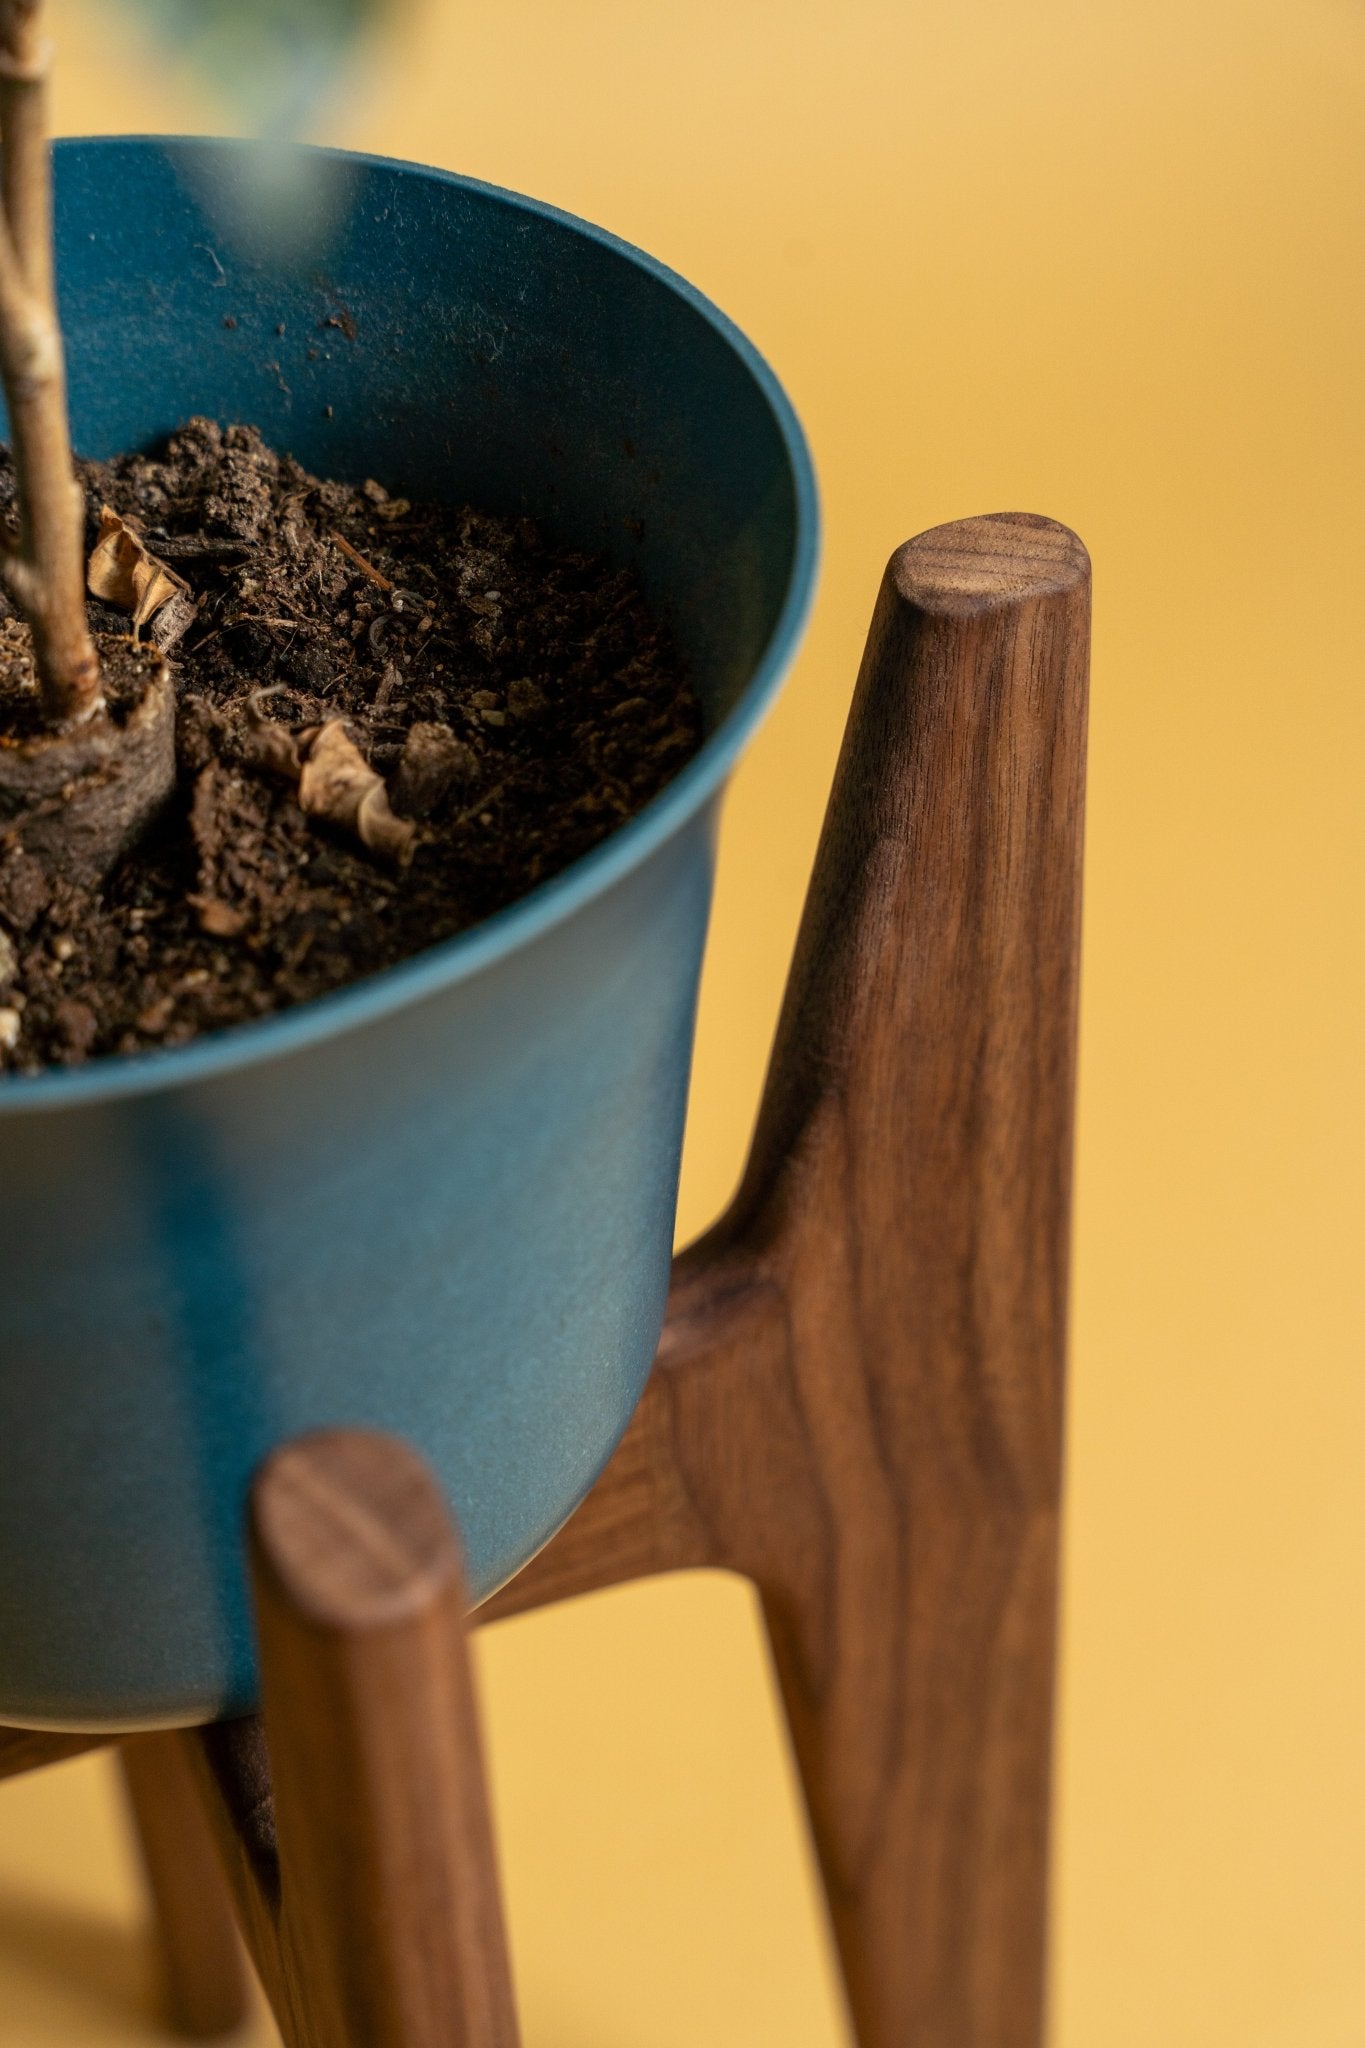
858 1400
366 1879
196 1931
912 1171
32 1749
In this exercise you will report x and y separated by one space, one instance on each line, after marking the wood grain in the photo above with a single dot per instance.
368 1885
200 1951
33 1749
858 1400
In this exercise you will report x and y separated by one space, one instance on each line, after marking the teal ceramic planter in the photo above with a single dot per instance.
198 1256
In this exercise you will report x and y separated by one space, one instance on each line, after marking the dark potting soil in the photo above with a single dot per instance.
517 699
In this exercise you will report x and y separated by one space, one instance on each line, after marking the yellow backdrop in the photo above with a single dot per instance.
1105 262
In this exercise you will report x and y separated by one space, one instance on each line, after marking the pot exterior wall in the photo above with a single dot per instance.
454 1223
440 1202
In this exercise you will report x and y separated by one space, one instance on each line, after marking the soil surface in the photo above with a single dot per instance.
517 700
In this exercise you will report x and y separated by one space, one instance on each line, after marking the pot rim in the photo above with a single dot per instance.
550 903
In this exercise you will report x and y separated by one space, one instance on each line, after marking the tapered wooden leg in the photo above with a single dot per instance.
367 1881
33 1749
914 1156
859 1395
196 1930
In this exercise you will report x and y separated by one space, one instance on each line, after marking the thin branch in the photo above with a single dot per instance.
366 568
15 298
25 184
19 577
47 576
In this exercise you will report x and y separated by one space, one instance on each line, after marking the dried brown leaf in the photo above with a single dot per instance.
123 571
338 784
265 744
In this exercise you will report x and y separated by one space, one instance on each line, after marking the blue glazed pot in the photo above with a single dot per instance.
440 1201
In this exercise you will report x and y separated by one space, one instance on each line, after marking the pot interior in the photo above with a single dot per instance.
457 343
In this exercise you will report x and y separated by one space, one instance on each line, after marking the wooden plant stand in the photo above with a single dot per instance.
857 1403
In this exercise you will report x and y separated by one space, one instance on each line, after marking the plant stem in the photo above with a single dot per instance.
45 572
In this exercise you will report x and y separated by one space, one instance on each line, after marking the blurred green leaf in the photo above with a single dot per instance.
274 57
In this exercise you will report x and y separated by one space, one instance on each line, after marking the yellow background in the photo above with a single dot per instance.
1103 261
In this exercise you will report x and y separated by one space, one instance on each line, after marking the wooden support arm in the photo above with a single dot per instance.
32 1749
